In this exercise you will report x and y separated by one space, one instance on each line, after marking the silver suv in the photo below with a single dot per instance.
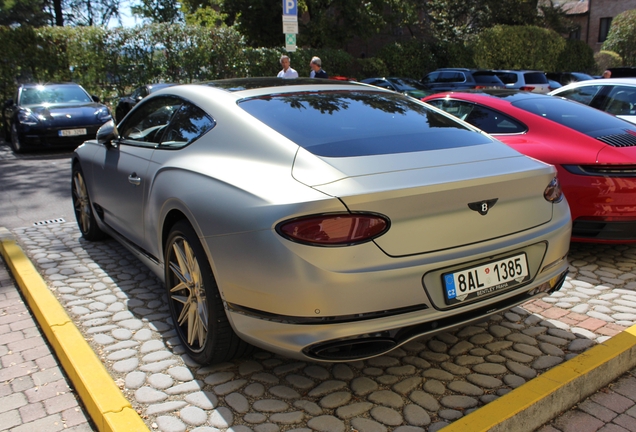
526 80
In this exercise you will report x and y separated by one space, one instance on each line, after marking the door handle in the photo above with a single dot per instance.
134 179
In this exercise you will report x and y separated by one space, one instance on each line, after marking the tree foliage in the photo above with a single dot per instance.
605 60
576 56
35 13
158 11
458 20
39 13
518 47
622 37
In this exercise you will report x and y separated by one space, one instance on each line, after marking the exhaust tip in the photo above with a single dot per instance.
351 349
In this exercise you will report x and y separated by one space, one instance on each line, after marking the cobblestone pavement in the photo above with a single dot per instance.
121 308
34 392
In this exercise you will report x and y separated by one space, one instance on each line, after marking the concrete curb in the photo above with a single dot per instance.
107 406
543 398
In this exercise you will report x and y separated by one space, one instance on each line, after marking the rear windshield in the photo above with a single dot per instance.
359 123
582 118
535 78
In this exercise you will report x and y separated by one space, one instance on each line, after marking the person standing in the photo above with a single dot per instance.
287 71
316 68
607 74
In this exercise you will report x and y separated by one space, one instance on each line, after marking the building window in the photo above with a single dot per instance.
603 29
576 34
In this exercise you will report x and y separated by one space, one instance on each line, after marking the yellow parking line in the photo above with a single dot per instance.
105 403
541 399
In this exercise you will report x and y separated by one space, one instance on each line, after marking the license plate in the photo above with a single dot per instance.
481 280
72 132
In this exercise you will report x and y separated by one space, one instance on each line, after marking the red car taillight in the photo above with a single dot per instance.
526 88
341 229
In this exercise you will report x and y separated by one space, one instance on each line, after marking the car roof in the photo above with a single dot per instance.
508 95
240 84
604 81
49 84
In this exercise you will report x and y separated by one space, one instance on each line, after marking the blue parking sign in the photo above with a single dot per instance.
290 7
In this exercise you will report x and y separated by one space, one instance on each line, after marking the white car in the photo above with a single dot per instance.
525 80
613 95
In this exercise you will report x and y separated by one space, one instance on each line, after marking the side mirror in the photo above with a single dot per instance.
95 98
107 133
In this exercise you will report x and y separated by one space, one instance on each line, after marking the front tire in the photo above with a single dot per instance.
16 145
83 207
195 302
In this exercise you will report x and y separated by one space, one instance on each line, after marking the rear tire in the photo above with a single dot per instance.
195 303
84 208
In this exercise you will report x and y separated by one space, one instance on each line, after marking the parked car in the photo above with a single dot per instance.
408 86
52 116
613 95
623 72
594 153
554 84
125 103
565 78
461 78
319 219
525 80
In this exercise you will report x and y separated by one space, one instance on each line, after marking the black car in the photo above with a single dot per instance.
461 79
61 115
407 86
126 103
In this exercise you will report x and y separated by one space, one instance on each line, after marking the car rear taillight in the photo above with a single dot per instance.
334 229
553 192
526 88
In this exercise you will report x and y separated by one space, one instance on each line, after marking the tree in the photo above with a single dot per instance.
90 12
34 13
458 20
622 36
518 47
158 11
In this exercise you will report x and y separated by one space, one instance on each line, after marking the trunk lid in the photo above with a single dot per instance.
426 195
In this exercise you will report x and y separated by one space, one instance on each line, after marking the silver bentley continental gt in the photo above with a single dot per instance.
321 220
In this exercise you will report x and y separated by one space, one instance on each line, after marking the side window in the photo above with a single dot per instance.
454 107
431 78
490 121
622 101
493 122
147 124
189 123
583 94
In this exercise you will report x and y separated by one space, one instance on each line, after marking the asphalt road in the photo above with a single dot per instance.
34 187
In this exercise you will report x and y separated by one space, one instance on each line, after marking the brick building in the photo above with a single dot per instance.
594 18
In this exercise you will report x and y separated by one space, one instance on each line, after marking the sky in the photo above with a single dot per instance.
127 20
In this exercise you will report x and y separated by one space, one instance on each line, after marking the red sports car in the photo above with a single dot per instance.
594 152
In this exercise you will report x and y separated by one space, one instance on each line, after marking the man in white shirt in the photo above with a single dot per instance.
287 71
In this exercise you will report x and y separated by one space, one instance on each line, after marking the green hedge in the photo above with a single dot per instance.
110 62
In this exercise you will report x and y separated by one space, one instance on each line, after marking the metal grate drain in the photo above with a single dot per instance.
50 221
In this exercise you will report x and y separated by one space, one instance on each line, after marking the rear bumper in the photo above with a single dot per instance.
358 340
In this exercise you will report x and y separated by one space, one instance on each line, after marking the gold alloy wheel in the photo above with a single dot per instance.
188 294
81 203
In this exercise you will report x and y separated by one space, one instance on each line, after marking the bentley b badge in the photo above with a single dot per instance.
482 207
